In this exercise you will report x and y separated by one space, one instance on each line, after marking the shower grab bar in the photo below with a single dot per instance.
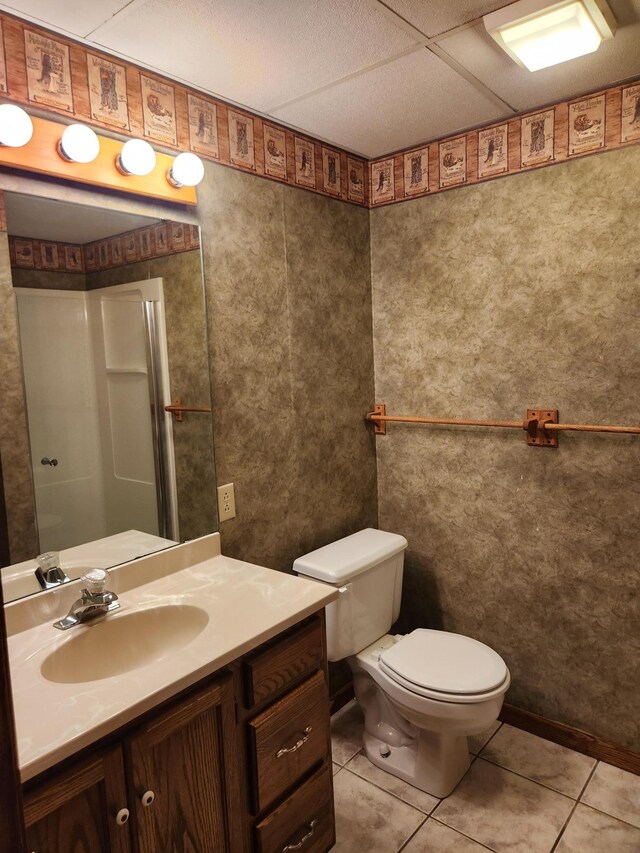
540 425
177 409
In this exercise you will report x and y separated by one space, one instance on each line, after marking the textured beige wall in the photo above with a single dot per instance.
17 479
289 310
288 294
189 374
47 279
488 300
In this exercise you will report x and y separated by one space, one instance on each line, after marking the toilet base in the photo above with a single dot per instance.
432 762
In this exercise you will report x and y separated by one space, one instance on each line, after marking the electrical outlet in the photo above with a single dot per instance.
226 502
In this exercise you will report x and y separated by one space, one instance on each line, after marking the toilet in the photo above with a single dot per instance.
423 693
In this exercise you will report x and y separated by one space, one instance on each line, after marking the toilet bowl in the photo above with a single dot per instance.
423 693
420 733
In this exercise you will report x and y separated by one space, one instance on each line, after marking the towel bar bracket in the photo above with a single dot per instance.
537 434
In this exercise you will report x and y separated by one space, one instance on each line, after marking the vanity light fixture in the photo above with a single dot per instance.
131 167
137 157
537 33
187 170
79 144
16 127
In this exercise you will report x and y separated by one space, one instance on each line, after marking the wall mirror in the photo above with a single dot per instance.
111 328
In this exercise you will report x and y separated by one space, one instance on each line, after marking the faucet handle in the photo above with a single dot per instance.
48 560
95 581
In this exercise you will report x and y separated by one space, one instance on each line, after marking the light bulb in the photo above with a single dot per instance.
16 128
79 144
136 158
187 170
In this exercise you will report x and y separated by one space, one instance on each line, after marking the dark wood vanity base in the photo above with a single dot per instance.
239 763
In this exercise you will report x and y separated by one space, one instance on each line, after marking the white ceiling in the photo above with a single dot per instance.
47 219
371 76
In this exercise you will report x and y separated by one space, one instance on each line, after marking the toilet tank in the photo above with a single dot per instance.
367 570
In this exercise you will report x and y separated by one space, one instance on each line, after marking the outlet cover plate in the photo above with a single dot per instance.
226 502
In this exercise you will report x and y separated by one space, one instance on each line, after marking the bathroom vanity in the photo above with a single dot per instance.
221 746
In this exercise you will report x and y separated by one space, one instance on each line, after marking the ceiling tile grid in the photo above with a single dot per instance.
76 17
615 60
368 76
401 103
349 73
65 223
165 113
438 16
257 52
602 121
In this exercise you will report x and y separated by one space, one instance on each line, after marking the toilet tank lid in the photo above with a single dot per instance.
341 561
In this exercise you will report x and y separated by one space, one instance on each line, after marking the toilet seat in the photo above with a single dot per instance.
445 666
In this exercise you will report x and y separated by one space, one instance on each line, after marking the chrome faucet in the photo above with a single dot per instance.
95 600
49 573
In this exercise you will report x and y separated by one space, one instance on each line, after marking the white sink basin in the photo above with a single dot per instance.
121 643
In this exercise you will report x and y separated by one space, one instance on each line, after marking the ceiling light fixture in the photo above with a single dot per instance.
187 170
137 157
16 127
537 34
79 144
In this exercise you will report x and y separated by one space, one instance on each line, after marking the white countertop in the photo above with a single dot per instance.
246 605
19 579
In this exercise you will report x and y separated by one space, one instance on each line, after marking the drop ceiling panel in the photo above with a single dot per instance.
47 219
75 16
257 52
616 59
437 16
410 99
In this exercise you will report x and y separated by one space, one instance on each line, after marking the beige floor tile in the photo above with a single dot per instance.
614 791
435 837
369 820
548 763
505 811
476 742
361 765
346 733
590 831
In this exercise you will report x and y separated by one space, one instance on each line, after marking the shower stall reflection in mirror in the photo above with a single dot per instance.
96 376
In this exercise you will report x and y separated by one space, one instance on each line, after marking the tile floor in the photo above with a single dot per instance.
522 794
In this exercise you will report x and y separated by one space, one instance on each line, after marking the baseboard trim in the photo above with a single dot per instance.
551 730
340 698
575 739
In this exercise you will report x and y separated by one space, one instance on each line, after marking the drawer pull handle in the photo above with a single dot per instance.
147 798
303 840
122 817
287 749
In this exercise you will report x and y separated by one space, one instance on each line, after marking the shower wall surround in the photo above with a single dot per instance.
499 297
181 276
181 273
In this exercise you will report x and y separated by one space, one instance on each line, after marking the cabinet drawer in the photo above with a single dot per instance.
272 670
305 819
289 738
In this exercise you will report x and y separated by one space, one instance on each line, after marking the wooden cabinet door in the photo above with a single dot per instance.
181 778
81 810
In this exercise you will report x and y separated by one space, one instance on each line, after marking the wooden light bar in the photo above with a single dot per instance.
41 155
540 425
